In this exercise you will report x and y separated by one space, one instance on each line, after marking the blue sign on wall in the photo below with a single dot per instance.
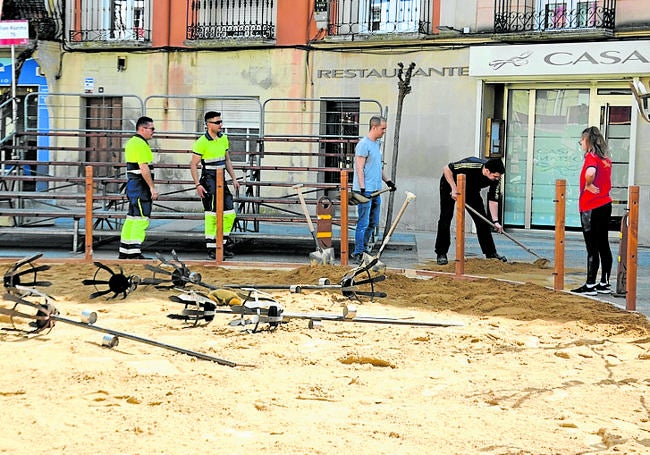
28 76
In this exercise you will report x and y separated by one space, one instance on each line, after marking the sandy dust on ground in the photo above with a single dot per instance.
528 370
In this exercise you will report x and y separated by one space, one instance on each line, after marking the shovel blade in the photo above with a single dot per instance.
322 257
355 198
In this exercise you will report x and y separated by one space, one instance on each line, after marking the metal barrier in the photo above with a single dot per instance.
86 112
184 114
274 144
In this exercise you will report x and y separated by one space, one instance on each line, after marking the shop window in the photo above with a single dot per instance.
538 155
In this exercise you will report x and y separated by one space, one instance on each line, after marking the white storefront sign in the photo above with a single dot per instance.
625 58
14 33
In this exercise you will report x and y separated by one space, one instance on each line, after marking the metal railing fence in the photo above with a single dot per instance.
512 16
374 17
230 19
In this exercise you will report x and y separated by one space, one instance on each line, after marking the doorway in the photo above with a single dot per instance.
341 128
104 114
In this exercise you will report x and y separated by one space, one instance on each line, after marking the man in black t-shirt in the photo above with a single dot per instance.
479 174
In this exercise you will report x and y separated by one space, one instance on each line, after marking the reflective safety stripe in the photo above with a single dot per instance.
214 164
134 168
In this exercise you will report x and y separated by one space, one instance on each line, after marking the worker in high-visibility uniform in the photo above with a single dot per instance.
140 189
211 151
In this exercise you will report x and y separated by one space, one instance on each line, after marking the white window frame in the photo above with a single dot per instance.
562 20
390 15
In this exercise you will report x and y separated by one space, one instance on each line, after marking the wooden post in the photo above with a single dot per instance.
324 222
632 247
219 209
460 225
560 238
344 218
89 214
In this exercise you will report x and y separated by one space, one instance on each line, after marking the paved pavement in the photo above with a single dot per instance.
292 244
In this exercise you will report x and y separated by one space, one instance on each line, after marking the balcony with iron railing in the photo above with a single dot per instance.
515 16
100 21
210 20
364 19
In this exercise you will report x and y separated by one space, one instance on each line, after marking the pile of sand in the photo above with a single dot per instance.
527 370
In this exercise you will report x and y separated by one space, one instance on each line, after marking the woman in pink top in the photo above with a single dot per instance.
596 210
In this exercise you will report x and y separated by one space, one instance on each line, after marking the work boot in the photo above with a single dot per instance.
496 256
212 254
228 247
356 258
442 259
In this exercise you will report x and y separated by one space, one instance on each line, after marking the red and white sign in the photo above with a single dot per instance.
14 33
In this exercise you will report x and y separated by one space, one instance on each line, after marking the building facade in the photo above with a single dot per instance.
512 79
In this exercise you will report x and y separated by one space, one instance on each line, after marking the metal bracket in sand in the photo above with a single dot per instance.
349 283
197 307
178 276
23 270
348 286
261 308
256 308
47 315
117 283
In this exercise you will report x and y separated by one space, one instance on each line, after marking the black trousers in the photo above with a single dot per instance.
447 204
595 231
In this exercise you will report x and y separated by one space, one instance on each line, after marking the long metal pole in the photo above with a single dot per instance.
14 105
47 314
129 336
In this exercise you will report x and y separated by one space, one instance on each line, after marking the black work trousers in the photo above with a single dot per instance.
447 204
595 224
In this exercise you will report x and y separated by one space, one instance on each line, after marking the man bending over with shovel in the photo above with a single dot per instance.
479 174
368 177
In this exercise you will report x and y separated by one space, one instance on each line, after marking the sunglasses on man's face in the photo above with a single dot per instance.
218 122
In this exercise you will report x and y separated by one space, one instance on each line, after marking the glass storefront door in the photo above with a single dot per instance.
543 128
615 122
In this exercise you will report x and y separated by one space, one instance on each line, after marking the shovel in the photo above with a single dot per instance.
320 256
373 262
541 261
357 198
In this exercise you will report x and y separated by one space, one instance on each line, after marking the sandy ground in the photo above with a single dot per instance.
528 371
